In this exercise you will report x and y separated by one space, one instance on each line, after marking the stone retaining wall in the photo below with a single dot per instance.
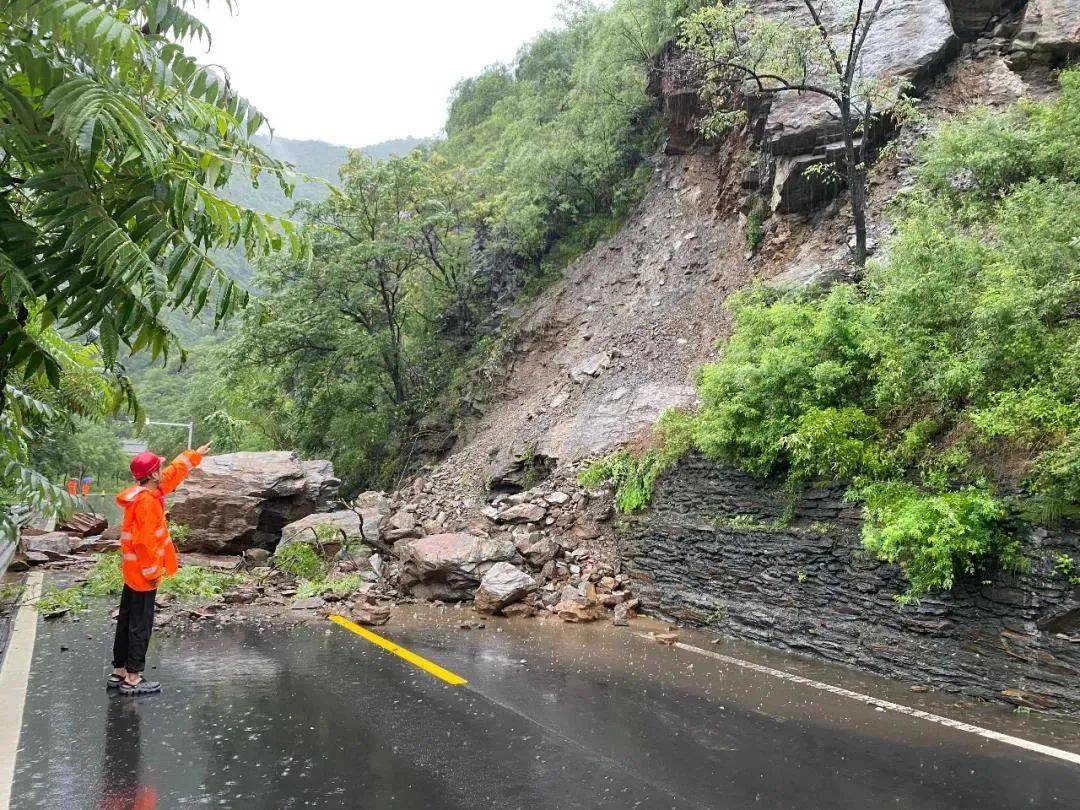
711 552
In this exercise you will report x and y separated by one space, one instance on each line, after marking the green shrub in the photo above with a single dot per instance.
789 353
9 597
179 532
755 223
56 600
197 582
106 577
1066 566
835 443
300 560
935 537
633 476
1056 475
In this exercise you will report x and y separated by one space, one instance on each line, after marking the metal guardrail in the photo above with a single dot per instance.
21 516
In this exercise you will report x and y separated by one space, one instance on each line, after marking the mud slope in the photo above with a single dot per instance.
613 343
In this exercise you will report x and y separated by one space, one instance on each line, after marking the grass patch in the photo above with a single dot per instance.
633 476
192 582
9 597
339 587
197 582
57 600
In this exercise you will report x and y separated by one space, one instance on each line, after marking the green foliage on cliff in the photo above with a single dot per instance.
633 475
944 387
557 137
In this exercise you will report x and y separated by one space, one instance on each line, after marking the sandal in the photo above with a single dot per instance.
114 681
143 687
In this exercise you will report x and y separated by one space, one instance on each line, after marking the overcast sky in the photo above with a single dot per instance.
356 72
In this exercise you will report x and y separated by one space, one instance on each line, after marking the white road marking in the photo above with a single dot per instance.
1067 756
13 680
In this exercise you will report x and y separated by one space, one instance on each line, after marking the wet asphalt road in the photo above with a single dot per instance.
552 717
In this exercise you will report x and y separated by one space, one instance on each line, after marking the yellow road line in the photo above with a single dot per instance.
401 652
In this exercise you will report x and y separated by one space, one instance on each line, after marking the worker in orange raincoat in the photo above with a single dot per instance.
147 556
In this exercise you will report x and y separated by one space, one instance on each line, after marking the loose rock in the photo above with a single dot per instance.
522 513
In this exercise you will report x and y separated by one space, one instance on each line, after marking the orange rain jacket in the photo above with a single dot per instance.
146 550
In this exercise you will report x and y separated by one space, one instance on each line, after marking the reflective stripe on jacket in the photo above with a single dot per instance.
147 553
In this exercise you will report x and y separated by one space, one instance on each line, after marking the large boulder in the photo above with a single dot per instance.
522 513
502 585
457 560
238 501
54 545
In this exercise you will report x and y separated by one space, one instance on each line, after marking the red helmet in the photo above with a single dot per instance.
145 464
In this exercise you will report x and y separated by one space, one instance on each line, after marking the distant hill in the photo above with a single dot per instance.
316 159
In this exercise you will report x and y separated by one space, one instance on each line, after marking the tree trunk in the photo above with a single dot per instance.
856 180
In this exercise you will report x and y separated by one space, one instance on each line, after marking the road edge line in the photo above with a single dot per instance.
428 666
14 677
997 736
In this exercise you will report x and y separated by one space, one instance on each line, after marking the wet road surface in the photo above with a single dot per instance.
553 716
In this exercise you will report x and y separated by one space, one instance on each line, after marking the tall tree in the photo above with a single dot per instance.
114 145
815 48
359 334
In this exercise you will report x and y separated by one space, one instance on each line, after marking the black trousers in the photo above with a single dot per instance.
134 625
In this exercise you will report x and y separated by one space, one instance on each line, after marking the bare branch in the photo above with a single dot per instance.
853 58
834 57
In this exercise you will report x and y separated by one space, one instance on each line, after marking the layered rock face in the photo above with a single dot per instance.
238 501
714 552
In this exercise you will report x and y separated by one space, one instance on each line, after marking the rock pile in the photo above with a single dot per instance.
548 549
80 535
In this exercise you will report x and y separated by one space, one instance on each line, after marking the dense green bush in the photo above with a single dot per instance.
947 383
788 354
935 537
